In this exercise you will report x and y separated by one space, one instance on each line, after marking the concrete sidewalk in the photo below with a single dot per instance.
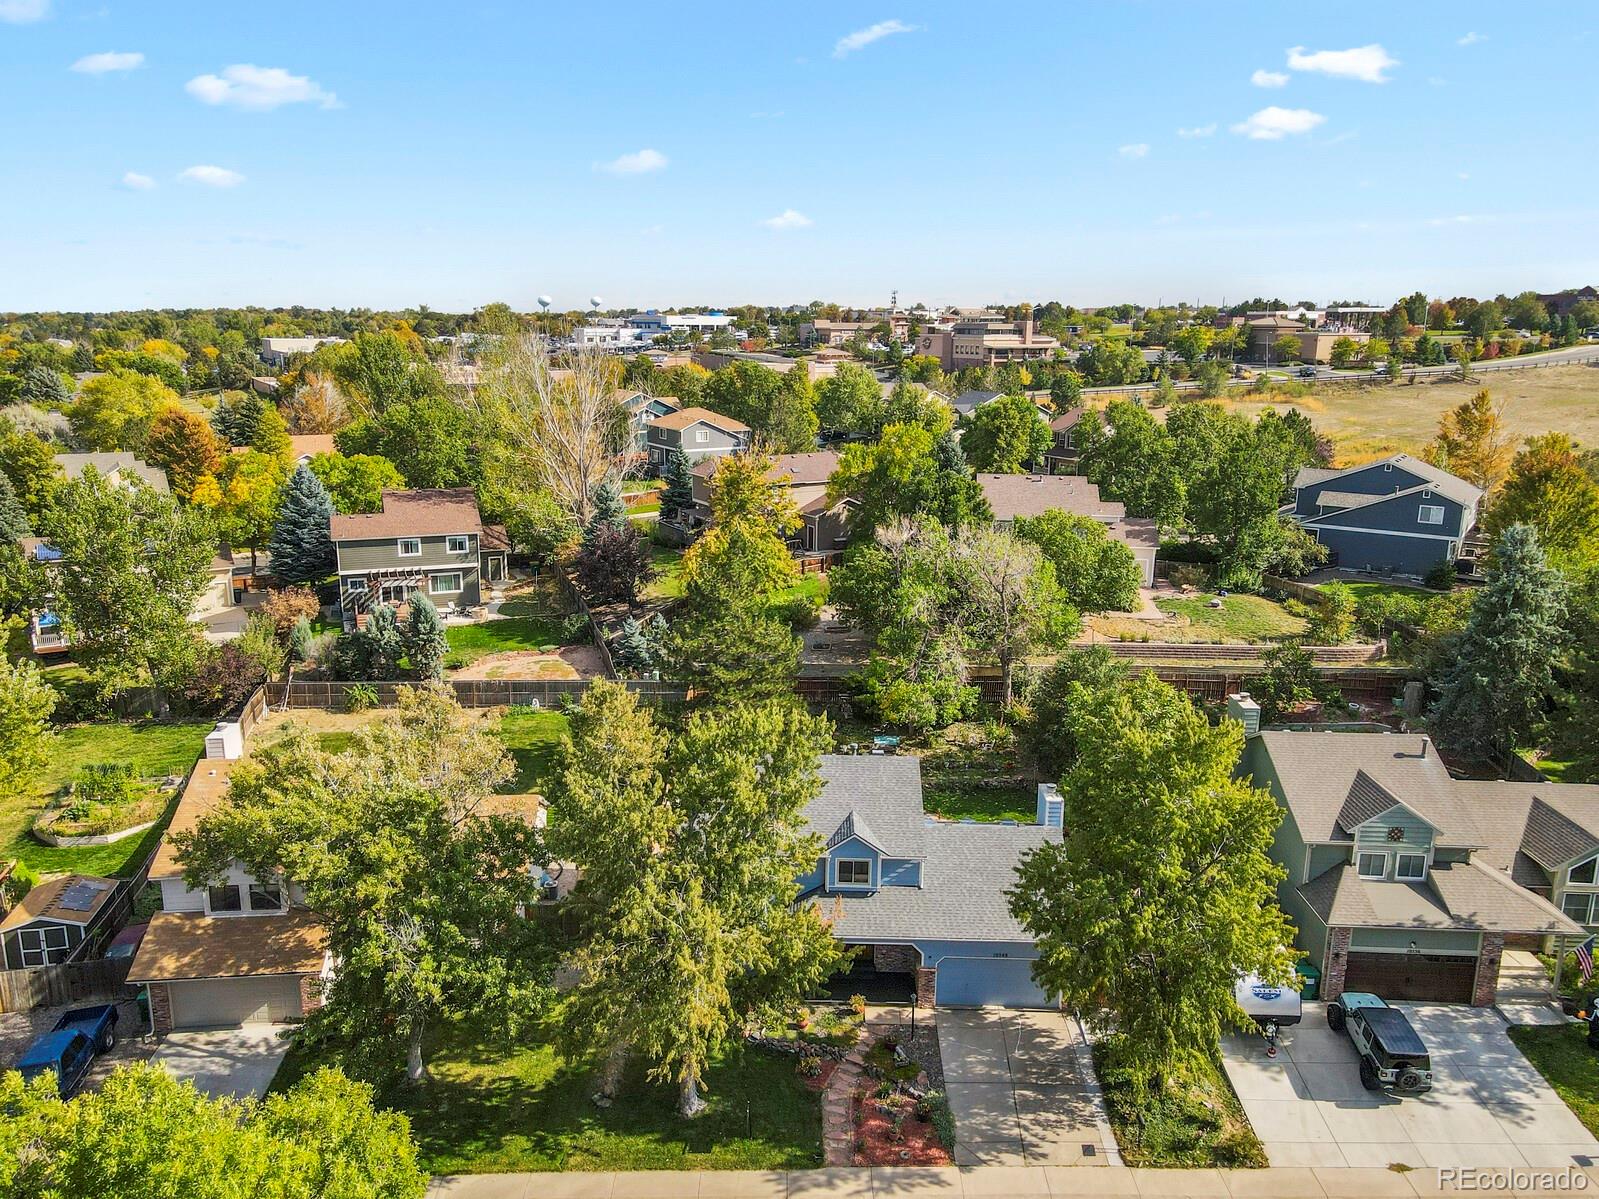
999 1182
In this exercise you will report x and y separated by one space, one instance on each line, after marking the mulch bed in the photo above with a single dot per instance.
917 1145
819 1083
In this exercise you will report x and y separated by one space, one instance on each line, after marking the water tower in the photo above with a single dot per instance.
595 302
545 302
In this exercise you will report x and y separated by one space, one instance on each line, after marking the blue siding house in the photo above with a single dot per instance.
1398 515
925 896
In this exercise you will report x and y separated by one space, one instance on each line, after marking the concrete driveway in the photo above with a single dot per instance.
225 1061
1022 1089
1489 1106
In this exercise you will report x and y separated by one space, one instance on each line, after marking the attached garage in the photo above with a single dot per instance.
988 982
1442 978
228 1002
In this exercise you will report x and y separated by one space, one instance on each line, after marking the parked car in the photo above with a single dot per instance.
70 1047
1392 1056
1308 372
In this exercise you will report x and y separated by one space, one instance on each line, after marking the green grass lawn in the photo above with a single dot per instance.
1195 1121
970 772
1561 1053
152 748
668 580
532 737
1250 619
525 626
1363 587
492 1105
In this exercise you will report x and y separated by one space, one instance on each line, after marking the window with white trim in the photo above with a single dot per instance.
702 435
1583 873
1410 867
1430 514
355 586
409 547
266 897
444 584
457 544
225 898
853 872
1372 865
1579 906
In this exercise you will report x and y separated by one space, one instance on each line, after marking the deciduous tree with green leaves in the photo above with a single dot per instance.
356 482
1493 691
1015 606
1006 436
26 702
114 411
1097 572
1472 442
1131 458
1162 892
418 871
689 846
1549 490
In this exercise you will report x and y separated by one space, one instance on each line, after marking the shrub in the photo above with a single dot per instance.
1332 618
105 782
1441 575
857 1004
801 612
934 1108
320 650
1188 574
360 697
18 883
808 1066
1375 612
224 677
287 605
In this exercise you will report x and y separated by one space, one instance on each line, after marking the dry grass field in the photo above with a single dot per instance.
1370 422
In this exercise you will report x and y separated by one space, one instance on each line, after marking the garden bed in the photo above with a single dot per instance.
1194 1120
899 1119
105 803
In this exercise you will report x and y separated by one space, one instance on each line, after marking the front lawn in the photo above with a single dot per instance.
1246 619
152 748
532 736
1195 1121
1561 1053
491 1106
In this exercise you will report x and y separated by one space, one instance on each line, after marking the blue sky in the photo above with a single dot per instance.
173 154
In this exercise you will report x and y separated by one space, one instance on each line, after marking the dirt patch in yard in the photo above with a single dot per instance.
569 662
18 1029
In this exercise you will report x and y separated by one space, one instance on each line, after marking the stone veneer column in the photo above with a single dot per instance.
1485 985
895 959
160 1008
926 986
1335 964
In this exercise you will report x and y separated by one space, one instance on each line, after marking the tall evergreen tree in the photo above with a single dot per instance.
44 388
1493 691
678 497
608 509
372 651
425 642
301 547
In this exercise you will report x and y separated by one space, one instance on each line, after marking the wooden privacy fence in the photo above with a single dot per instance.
70 982
1154 652
470 693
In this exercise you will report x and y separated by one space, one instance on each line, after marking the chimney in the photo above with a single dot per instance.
1245 711
1051 807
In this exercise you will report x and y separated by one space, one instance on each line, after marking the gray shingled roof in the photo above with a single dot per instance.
1552 838
1308 476
1367 800
113 463
1517 839
885 792
966 871
1460 895
1437 479
853 825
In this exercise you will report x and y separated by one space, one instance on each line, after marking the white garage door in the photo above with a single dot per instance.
985 982
225 1002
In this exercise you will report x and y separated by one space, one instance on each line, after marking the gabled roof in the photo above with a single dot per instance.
1367 800
1010 496
71 899
1068 420
1552 838
685 417
853 826
800 469
1457 895
192 945
968 401
108 464
883 792
1436 478
1535 828
208 783
419 512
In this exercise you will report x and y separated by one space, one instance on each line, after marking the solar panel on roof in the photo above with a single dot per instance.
80 896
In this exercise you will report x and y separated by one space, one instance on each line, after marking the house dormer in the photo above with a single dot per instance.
854 858
1390 841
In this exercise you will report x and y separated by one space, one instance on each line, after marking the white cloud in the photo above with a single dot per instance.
1198 131
788 219
1273 124
1135 150
1265 78
111 60
137 182
21 12
211 176
862 38
1471 39
641 162
258 89
1365 63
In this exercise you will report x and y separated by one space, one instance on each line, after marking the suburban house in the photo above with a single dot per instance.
698 432
237 952
925 897
305 446
277 351
825 524
56 921
432 541
119 467
1011 496
1408 882
1064 451
969 402
643 411
1398 515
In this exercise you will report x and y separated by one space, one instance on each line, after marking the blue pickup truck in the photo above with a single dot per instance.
70 1047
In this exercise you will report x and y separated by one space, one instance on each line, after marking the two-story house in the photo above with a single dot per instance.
698 432
432 541
926 897
1408 882
1013 496
1398 515
1063 449
642 411
824 524
240 951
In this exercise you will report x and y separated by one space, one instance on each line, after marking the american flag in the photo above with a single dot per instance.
1585 959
